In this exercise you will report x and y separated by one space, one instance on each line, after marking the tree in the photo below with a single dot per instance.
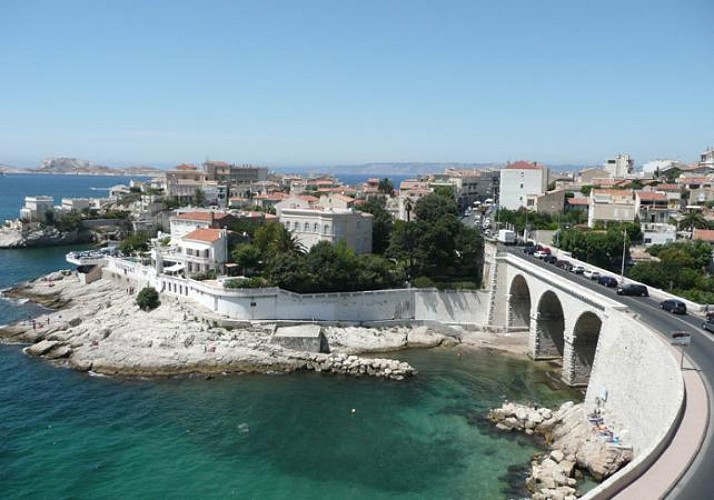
386 187
148 299
382 224
199 197
692 220
247 257
135 242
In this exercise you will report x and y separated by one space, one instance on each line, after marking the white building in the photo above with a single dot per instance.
655 167
611 205
204 250
519 182
36 207
706 159
79 204
183 223
312 226
620 166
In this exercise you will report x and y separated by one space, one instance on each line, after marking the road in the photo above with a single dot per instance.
697 482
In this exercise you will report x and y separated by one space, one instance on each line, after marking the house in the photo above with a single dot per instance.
204 250
185 222
311 226
552 202
470 185
36 208
336 200
619 167
656 217
519 181
296 201
610 205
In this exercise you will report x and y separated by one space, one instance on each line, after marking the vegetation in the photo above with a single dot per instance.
683 269
535 221
256 282
211 274
382 224
600 248
386 186
135 242
148 299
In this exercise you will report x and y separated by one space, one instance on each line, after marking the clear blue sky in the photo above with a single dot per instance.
344 82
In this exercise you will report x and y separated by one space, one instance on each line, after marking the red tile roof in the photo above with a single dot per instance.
202 216
651 196
523 165
704 235
205 235
186 166
218 163
667 187
578 201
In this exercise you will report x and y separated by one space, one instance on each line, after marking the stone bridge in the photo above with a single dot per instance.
562 318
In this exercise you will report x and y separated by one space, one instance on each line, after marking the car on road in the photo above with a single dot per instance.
591 274
540 254
550 259
673 305
633 289
529 249
608 281
708 325
564 264
577 269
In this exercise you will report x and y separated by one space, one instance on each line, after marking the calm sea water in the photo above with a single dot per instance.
68 435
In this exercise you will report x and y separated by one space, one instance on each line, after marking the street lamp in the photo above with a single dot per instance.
624 248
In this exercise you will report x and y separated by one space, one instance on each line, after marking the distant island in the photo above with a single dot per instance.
74 166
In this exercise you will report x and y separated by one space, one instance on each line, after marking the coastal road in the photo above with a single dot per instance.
698 480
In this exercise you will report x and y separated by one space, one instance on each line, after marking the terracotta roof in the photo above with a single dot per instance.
523 165
186 166
615 193
218 163
205 234
577 201
651 196
703 235
308 198
667 187
202 216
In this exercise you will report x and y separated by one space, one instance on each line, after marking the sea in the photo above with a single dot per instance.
65 434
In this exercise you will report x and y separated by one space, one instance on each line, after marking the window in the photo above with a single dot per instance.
521 186
307 226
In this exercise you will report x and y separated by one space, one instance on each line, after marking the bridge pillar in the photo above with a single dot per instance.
547 336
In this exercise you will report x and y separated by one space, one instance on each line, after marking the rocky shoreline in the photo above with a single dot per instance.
577 444
99 328
13 237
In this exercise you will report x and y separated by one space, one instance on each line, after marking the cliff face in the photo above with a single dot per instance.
45 237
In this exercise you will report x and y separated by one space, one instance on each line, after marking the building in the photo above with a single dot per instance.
470 185
592 176
183 223
706 159
36 208
204 250
551 203
619 167
520 180
610 205
655 168
312 226
296 201
79 204
336 200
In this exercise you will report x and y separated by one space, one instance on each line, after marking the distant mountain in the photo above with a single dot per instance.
385 168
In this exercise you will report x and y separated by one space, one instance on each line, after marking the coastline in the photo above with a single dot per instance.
99 328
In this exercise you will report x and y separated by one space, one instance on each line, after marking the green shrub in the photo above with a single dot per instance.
256 282
423 282
148 299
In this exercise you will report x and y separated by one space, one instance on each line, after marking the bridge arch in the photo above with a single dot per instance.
549 328
519 304
585 338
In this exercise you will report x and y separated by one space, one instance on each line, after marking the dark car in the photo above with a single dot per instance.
673 305
632 289
708 325
530 250
564 264
550 259
608 281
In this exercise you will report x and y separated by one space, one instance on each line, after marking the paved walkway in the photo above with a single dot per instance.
659 479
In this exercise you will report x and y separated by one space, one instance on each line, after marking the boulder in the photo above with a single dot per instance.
41 347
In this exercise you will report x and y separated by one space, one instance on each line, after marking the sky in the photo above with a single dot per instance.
337 82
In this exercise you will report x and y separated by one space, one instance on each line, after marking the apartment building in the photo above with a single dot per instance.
619 167
311 226
519 181
610 205
470 185
36 208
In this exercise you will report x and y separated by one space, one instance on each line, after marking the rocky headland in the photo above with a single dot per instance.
576 443
99 327
22 236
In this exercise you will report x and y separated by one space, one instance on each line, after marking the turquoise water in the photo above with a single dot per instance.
65 434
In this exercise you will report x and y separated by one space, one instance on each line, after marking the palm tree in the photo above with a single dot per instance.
692 220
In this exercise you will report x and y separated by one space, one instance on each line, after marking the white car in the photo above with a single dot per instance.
591 274
577 270
540 254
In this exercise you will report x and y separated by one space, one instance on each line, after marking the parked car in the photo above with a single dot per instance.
530 250
632 289
539 254
577 269
608 281
591 274
673 305
550 259
564 264
708 325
